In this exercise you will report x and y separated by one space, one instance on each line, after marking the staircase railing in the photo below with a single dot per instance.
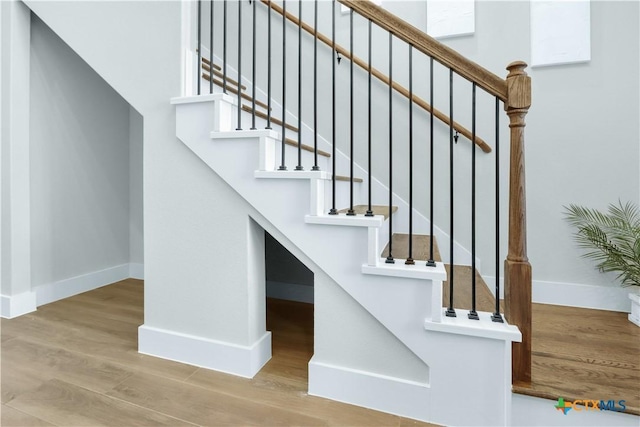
514 92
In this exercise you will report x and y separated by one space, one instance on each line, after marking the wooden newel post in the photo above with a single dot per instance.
517 270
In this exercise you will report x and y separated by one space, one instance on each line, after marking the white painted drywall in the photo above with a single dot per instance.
136 232
349 336
15 272
79 165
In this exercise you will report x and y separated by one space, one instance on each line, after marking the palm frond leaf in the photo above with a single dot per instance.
611 239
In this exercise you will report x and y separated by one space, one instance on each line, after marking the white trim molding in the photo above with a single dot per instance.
634 316
397 396
136 271
17 305
66 288
244 361
611 298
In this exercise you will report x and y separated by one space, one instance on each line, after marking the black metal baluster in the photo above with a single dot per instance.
450 310
224 47
497 317
333 210
369 210
390 259
282 166
431 262
239 66
253 67
315 87
211 47
199 48
473 314
351 212
410 260
299 166
269 67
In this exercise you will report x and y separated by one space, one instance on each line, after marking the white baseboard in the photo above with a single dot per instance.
244 361
66 288
612 298
136 271
290 291
17 305
387 394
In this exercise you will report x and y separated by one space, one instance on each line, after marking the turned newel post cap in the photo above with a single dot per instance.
518 87
516 68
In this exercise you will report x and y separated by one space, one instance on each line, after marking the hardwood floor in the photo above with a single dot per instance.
579 353
75 363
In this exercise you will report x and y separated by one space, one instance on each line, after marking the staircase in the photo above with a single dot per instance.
248 140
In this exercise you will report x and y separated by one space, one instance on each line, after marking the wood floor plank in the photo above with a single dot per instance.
19 379
277 392
4 336
203 406
10 417
74 314
579 353
65 404
586 381
55 362
83 339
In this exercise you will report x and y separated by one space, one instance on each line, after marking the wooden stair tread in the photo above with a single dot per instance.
462 273
420 247
305 147
346 178
376 209
462 290
274 120
235 91
206 61
219 74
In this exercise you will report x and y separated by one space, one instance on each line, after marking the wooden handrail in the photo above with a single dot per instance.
382 77
431 47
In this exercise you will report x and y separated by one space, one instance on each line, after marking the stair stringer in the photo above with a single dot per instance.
402 305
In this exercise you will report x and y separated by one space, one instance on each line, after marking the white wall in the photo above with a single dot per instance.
79 164
348 336
136 220
15 259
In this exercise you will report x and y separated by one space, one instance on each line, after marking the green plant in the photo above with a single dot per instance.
612 239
